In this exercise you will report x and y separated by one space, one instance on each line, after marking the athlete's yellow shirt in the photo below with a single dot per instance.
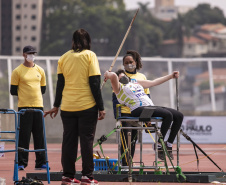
137 76
29 81
76 68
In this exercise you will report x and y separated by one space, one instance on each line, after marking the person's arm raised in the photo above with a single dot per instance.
158 81
114 81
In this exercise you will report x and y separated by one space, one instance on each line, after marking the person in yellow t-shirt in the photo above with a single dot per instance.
28 82
78 87
132 63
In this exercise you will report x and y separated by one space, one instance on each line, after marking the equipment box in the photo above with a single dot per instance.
101 164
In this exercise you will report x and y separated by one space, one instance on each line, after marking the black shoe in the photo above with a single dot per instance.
42 167
161 152
21 167
170 151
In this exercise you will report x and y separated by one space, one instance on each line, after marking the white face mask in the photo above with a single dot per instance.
30 58
130 67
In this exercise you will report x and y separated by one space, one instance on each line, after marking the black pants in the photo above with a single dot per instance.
31 122
169 115
75 124
124 140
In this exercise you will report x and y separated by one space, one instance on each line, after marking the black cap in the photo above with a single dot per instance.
29 49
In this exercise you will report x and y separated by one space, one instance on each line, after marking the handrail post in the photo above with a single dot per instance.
9 66
211 81
50 81
170 71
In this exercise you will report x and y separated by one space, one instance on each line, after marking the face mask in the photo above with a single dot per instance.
30 58
124 80
130 67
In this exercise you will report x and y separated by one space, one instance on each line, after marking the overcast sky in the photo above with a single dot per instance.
132 4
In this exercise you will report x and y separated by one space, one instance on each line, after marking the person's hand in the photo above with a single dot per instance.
53 112
101 115
175 74
149 124
106 74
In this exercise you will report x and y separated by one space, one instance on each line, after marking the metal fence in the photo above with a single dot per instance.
202 86
202 81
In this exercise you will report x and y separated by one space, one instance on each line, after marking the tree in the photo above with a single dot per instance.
178 30
146 34
203 14
103 19
107 22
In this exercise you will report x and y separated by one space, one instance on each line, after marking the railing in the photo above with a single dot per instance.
152 68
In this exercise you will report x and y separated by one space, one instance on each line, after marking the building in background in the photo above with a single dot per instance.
215 37
208 40
166 10
5 27
21 22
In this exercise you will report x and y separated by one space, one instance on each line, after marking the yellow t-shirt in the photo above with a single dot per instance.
76 68
29 81
137 76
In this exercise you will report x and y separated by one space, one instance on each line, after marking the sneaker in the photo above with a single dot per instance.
21 167
43 167
87 181
69 181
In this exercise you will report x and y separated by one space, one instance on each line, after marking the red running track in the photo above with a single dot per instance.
187 161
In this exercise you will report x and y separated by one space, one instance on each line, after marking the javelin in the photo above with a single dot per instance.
119 49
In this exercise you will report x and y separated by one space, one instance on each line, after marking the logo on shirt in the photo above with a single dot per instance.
133 80
38 76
